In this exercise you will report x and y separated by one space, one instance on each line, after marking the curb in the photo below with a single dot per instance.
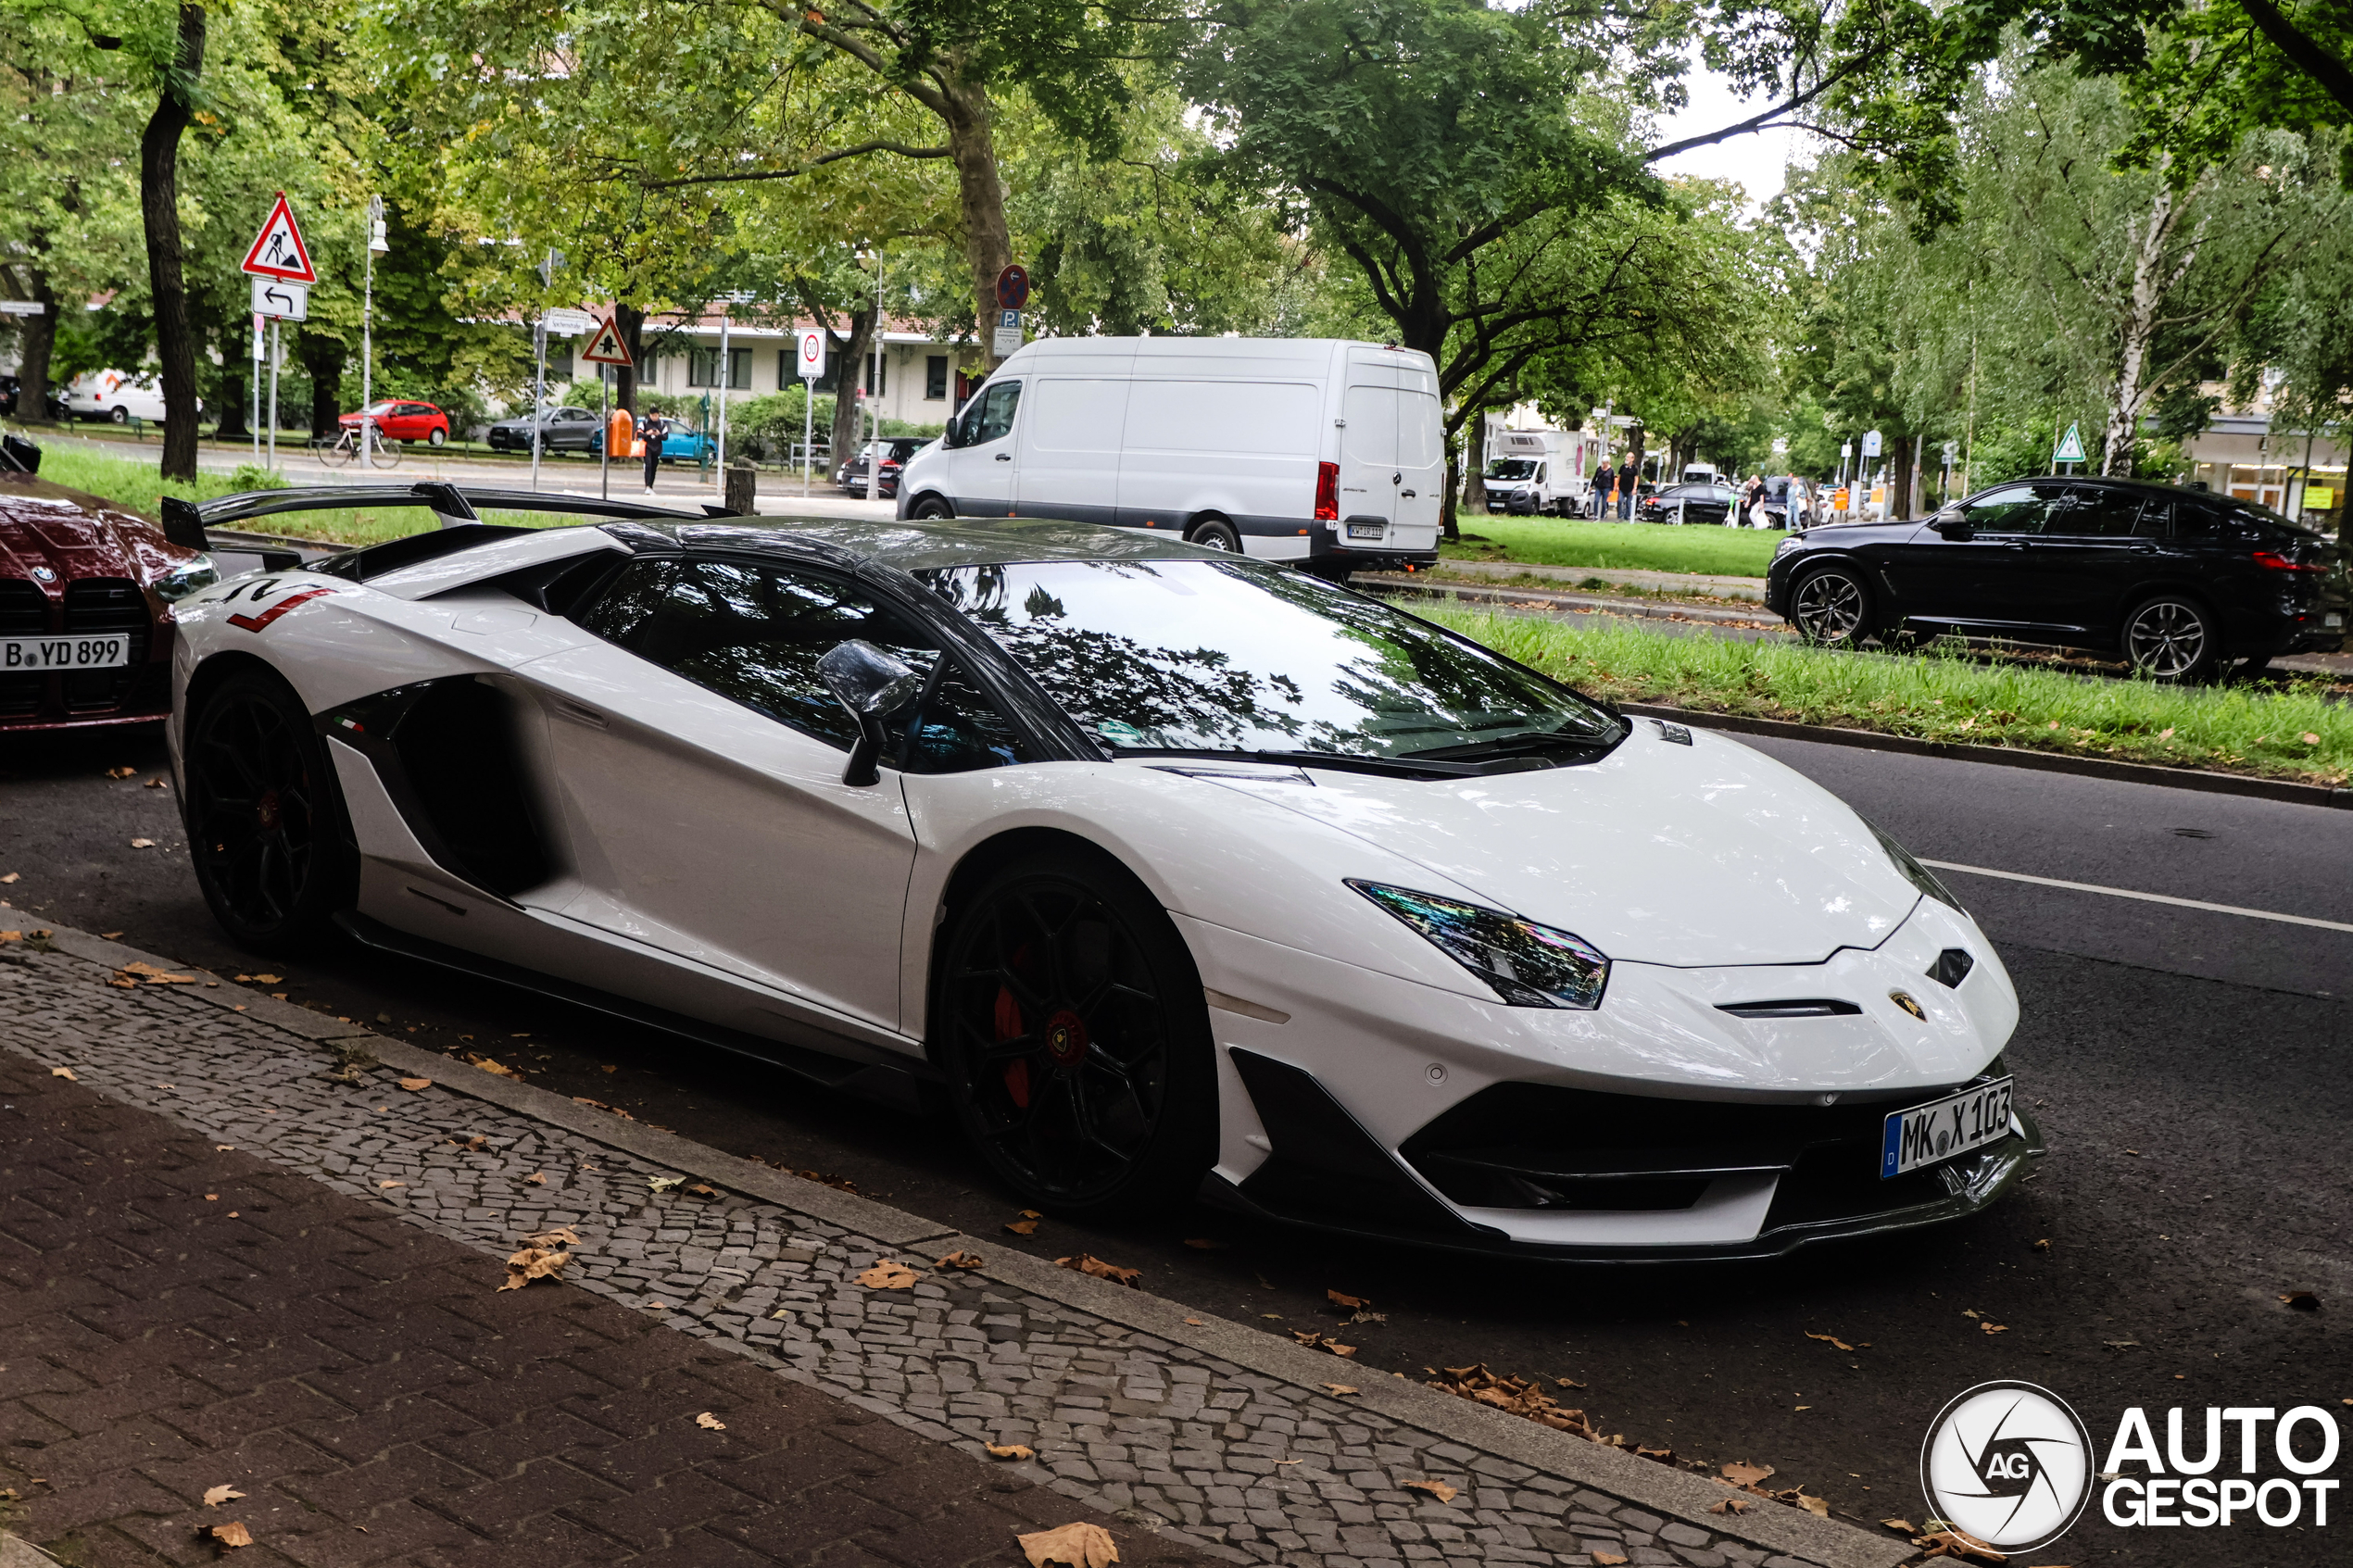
1613 604
1682 1494
2323 795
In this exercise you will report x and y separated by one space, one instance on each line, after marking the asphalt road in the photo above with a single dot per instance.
2190 1070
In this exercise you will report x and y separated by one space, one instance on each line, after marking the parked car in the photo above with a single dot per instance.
87 595
1174 874
1688 503
560 429
2177 582
677 447
1788 503
896 450
9 389
117 396
1318 451
398 419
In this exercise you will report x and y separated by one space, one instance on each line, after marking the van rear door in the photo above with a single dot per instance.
1392 466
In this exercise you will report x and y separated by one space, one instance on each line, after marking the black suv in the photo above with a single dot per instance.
2179 583
896 450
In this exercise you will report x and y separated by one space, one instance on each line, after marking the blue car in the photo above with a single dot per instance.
678 447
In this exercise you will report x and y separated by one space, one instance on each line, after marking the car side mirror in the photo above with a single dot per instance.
871 685
24 453
1952 524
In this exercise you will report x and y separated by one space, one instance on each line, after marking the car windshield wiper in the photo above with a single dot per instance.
1340 761
1511 745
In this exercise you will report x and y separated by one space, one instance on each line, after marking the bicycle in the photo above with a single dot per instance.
340 452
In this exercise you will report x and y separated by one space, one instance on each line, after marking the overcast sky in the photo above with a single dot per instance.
1755 160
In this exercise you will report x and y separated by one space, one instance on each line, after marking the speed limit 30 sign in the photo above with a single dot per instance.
812 355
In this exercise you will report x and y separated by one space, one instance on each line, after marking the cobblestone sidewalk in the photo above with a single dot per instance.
1220 1440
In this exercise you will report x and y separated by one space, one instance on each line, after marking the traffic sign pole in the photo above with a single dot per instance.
277 360
813 370
257 391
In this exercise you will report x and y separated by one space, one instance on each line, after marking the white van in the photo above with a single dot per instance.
119 396
1530 471
1319 451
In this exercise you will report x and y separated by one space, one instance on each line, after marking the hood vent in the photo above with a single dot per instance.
1811 1007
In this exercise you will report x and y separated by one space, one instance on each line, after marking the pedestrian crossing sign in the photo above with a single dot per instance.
606 347
2070 448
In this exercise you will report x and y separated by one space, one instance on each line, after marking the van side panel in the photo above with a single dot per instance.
1245 449
1070 429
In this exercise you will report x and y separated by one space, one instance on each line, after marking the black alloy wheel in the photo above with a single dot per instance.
265 818
1217 534
1831 607
931 509
2171 639
1071 1023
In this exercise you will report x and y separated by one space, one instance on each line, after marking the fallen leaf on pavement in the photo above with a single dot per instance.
10 877
1340 1298
224 1149
1438 1489
157 783
1025 1226
1739 1473
1080 1544
665 1184
1342 1389
477 1141
709 1423
561 1235
702 1189
960 1260
1831 1339
533 1262
887 1275
64 1072
1088 1264
1969 1311
1735 1506
270 979
1011 1451
2043 1244
1609 1559
493 1066
2302 1300
1955 1543
215 1496
1664 1456
1903 1524
387 1186
1994 1327
143 844
121 772
537 1179
1569 1383
1204 1244
415 1086
233 1534
1198 1323
1316 1341
1814 1506
1513 1396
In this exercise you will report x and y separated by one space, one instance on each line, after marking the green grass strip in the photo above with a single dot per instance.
1634 546
2295 732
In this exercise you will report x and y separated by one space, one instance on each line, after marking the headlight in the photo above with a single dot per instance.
1920 877
1788 544
1527 964
188 577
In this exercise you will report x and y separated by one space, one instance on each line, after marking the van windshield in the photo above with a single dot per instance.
1226 658
1511 467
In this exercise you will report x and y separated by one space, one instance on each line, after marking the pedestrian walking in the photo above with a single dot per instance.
1753 502
653 430
1627 473
1602 477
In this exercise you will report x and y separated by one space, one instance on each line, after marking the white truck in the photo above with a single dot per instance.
1321 452
1533 470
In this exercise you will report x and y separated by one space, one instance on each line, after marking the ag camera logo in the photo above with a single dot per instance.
2008 1465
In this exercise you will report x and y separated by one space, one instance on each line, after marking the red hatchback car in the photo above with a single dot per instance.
399 420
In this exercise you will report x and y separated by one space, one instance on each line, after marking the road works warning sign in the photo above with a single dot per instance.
278 251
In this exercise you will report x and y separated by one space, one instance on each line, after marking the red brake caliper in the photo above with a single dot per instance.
1008 1028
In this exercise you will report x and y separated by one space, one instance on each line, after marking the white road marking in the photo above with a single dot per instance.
2144 897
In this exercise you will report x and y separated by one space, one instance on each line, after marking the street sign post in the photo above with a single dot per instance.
1870 444
280 302
553 318
1013 289
22 307
811 357
2070 448
277 254
1008 334
604 350
564 322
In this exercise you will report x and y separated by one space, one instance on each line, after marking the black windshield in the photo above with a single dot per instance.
1234 657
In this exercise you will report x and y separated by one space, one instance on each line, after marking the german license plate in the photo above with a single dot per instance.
1944 1129
1365 530
2332 620
19 655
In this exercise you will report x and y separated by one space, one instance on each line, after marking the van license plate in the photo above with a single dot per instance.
1927 1134
1365 530
21 654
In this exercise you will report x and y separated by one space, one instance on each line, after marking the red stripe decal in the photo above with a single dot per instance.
256 622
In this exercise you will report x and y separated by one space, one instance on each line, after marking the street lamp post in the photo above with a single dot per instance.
874 393
376 247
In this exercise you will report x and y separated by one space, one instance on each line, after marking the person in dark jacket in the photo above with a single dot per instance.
653 430
1627 473
1600 492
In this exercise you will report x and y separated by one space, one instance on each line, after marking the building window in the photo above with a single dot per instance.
874 368
934 377
702 368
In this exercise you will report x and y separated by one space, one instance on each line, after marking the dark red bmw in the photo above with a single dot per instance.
86 591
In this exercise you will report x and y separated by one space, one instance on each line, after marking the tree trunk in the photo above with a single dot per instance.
324 357
1637 448
631 323
36 343
2137 331
1901 463
159 210
850 370
988 246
